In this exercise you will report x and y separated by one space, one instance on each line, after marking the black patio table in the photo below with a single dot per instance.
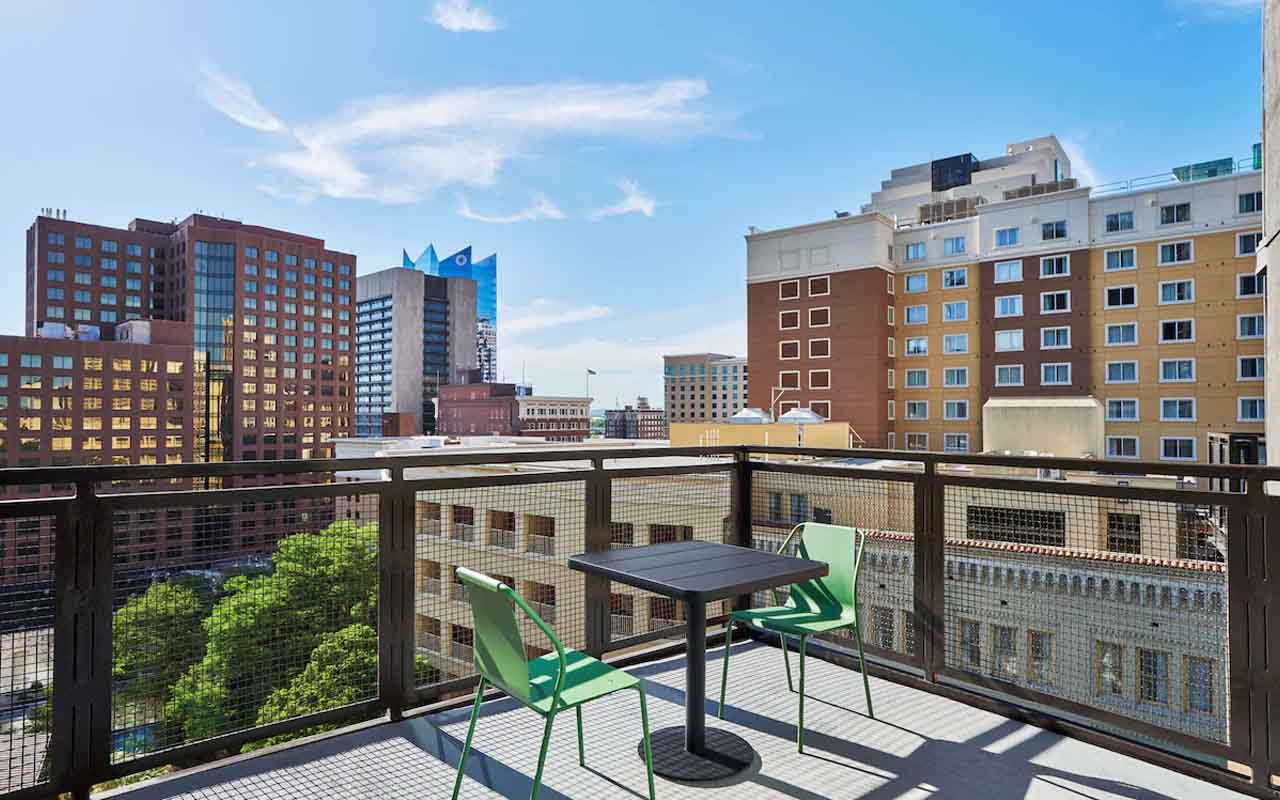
697 573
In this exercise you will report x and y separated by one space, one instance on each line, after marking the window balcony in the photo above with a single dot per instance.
503 538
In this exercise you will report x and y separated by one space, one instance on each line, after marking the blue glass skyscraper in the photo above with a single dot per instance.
485 273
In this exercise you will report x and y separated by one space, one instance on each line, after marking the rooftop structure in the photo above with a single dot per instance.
485 273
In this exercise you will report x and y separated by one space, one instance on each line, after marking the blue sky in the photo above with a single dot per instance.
613 154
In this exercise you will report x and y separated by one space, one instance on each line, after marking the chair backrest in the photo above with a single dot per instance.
841 548
498 645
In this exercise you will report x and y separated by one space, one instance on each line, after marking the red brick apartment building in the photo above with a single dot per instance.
495 409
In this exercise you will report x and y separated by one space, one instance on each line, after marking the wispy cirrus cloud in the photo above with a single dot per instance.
398 149
541 208
1081 167
634 201
542 314
460 16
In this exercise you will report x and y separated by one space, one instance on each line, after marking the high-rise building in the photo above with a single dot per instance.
499 409
485 273
635 422
415 332
270 314
1269 251
703 387
997 304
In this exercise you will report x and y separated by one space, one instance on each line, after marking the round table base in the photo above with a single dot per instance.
726 754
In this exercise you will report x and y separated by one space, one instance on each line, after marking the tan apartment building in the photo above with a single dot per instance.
701 387
965 282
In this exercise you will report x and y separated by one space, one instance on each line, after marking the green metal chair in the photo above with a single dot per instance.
550 684
823 605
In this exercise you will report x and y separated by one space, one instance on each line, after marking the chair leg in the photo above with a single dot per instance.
782 637
862 665
582 756
466 746
800 725
724 672
542 757
648 748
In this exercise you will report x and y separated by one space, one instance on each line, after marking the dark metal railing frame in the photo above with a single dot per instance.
80 740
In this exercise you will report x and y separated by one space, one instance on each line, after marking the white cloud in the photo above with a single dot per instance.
543 314
541 208
1081 167
236 100
460 16
399 149
633 201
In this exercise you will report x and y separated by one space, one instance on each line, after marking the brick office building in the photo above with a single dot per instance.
635 422
484 409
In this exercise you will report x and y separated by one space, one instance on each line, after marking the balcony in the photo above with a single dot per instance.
991 600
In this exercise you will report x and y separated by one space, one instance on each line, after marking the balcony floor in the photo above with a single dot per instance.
922 746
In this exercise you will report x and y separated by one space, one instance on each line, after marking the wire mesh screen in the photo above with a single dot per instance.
229 617
26 649
884 509
653 510
1117 604
520 534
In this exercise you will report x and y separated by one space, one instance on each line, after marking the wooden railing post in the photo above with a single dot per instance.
80 740
396 630
598 499
740 511
929 578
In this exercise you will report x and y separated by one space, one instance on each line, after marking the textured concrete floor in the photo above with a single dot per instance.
921 746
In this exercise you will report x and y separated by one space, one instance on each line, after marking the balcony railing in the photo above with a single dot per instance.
1094 599
503 538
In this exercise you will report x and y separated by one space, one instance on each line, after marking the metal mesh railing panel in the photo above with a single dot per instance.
884 509
1116 604
652 510
228 617
26 649
519 534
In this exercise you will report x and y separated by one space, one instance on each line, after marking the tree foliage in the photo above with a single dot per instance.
157 636
261 633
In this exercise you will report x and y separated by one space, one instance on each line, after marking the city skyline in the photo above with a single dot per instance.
641 173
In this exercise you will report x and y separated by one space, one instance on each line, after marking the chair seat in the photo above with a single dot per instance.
585 679
787 619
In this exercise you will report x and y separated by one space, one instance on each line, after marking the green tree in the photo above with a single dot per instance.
157 636
263 630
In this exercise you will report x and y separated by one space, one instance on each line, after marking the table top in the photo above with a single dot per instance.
698 571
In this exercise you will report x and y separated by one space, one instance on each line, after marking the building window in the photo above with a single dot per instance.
1108 669
1009 305
1122 409
1247 244
1250 285
890 410
1122 446
1250 203
917 378
1177 330
788 320
1249 326
1004 652
789 350
955 442
955 409
1122 333
970 645
890 378
1251 409
819 348
916 315
1008 341
1007 237
955 376
1121 296
1039 656
915 282
1176 252
892 346
957 311
953 343
888 279
953 246
1055 302
1055 266
1124 533
1051 231
1177 448
956 278
819 379
917 441
1177 370
1175 213
819 317
1055 374
917 345
917 409
1200 682
915 252
1016 525
1008 271
1250 368
1055 338
1009 375
1174 292
1153 676
1122 259
888 315
788 290
789 379
820 286
1177 409
1119 221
